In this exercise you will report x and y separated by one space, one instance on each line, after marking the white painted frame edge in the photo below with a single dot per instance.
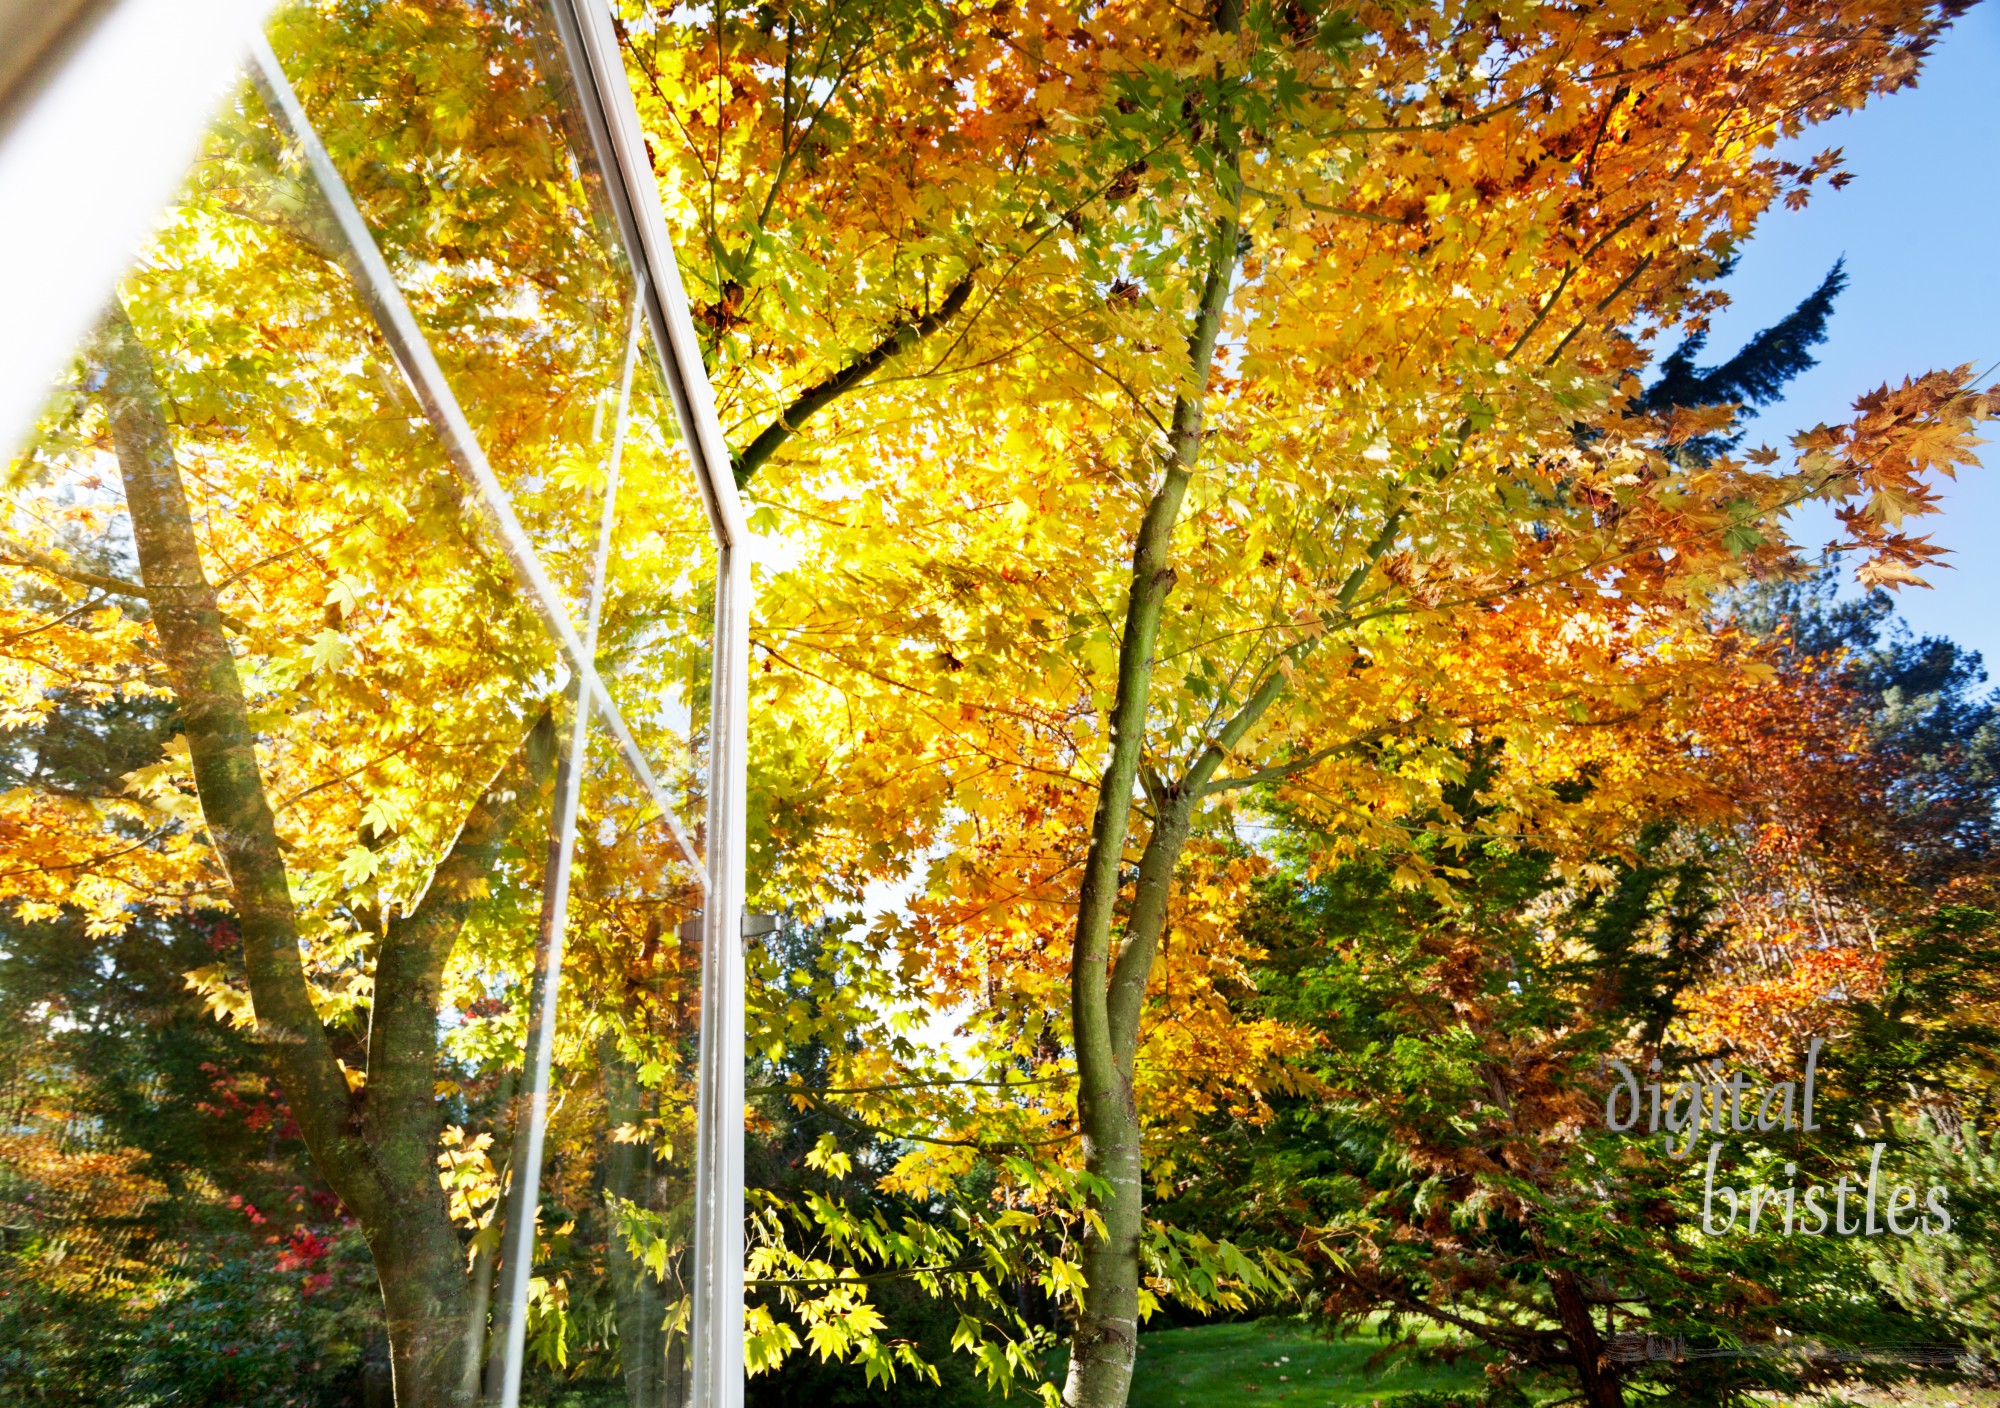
604 89
87 164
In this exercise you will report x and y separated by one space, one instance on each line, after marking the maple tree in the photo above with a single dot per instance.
1343 336
1450 1163
1859 757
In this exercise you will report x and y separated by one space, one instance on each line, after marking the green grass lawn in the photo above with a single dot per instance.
1249 1365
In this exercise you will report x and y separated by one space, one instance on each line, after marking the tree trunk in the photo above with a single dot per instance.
1106 1000
642 1303
1595 1376
377 1149
425 1295
486 1259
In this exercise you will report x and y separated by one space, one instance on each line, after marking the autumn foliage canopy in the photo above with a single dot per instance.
1195 450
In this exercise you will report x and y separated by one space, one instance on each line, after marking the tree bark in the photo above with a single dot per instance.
215 719
899 339
1595 1376
486 1260
376 1148
433 1291
1105 1004
642 1303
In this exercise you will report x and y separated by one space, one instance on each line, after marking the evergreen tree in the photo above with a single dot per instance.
1759 372
1924 706
1959 1273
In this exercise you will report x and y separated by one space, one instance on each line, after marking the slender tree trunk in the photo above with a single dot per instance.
377 1149
642 1306
484 1261
1105 1336
1106 1000
1594 1374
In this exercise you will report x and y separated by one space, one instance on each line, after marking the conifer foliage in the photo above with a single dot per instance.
1761 369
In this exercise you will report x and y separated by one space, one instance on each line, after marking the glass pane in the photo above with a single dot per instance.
280 744
536 326
455 130
622 1178
635 960
243 801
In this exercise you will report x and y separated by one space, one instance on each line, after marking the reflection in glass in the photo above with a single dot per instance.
281 740
490 209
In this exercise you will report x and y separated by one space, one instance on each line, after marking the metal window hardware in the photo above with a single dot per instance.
756 925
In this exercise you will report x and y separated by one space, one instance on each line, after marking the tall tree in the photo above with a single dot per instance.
376 1147
1373 431
1756 376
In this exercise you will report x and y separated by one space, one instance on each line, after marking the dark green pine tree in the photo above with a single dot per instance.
1759 372
1922 700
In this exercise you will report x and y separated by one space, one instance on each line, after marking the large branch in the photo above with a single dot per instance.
901 338
1126 994
1132 967
1098 1050
222 748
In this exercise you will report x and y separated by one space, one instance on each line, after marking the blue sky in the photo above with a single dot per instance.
1920 227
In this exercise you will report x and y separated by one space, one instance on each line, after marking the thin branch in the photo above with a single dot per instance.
82 609
901 338
144 841
1608 300
1138 401
1569 271
946 1269
1272 684
901 1085
983 1146
1311 204
1278 772
14 554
